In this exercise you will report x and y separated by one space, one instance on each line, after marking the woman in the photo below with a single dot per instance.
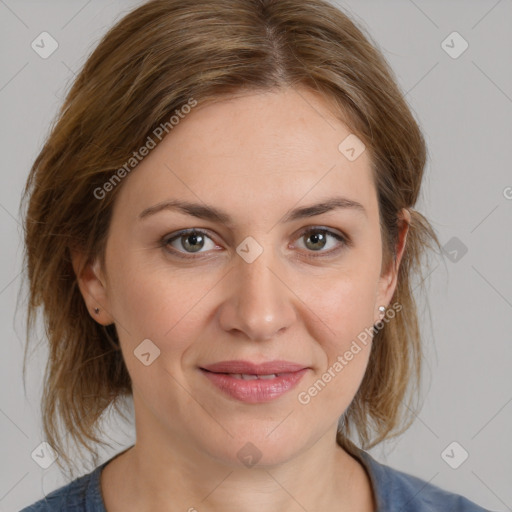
221 225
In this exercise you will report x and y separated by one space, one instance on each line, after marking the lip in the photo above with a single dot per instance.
225 376
240 366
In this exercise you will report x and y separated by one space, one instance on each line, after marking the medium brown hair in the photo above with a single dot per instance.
150 64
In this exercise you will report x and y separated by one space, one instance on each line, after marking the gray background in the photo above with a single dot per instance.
464 106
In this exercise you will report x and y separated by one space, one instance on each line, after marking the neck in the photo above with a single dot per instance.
322 477
178 471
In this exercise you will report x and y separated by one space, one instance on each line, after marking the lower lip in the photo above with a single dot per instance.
257 390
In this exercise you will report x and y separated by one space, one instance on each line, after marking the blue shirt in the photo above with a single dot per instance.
395 491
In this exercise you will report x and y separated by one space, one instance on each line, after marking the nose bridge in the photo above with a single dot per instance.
258 303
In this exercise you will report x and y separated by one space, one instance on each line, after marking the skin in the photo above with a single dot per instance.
255 156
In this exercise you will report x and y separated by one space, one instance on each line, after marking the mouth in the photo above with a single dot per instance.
254 383
250 376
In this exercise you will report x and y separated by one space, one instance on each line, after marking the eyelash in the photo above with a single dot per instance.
345 242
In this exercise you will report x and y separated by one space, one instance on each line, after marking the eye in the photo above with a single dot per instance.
317 239
188 241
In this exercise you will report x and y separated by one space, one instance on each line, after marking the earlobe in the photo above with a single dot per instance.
92 287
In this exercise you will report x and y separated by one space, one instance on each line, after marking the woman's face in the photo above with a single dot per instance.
251 285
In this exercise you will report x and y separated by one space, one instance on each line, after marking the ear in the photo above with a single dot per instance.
388 281
92 287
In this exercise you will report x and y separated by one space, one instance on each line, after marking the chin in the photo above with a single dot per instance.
256 450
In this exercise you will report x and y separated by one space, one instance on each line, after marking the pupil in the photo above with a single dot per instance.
316 238
195 245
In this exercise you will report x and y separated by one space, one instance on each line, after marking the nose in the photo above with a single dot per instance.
259 304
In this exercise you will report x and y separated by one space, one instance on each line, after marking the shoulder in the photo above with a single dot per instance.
82 494
396 490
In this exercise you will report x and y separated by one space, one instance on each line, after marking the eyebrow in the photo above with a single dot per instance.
211 213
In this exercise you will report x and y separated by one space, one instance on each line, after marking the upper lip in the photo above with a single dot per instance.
247 367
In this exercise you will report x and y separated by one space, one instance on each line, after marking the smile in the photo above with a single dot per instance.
254 388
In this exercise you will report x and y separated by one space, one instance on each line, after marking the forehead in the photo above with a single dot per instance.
256 150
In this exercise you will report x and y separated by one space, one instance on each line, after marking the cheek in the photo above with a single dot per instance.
158 303
346 305
344 356
165 308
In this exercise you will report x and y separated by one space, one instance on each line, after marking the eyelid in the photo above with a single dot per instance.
344 240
